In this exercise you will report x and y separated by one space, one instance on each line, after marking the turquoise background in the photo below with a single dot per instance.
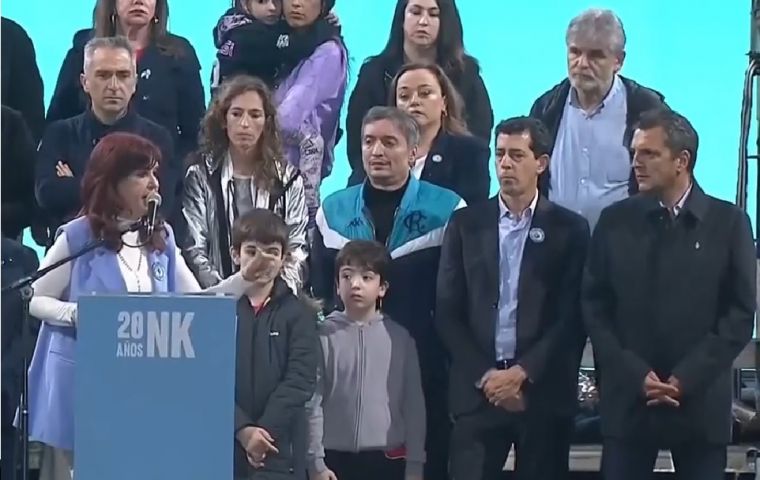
692 52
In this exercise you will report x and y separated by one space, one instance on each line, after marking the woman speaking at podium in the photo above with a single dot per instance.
116 188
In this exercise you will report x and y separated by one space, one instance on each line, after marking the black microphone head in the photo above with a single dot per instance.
154 197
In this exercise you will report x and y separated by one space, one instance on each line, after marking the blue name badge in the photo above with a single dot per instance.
155 388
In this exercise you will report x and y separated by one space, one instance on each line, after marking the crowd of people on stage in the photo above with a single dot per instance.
422 328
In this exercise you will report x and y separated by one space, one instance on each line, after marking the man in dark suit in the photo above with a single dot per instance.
508 311
17 261
668 300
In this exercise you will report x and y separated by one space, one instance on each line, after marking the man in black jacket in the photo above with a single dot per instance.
17 261
590 116
508 311
18 158
109 79
22 88
277 356
668 300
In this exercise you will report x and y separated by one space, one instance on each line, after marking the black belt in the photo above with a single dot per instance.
505 364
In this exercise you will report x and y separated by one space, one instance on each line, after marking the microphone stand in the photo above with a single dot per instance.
24 287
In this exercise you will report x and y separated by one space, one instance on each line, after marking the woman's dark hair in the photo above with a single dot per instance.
453 121
114 158
105 22
449 45
214 141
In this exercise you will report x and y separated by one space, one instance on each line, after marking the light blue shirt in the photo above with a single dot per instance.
590 166
513 232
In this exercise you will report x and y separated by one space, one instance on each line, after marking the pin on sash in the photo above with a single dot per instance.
159 272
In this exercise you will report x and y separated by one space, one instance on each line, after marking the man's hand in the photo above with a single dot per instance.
259 268
326 475
658 392
513 404
258 443
62 169
503 384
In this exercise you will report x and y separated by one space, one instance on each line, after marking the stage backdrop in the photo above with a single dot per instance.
694 53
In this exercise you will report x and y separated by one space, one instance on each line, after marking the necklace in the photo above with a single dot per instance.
133 271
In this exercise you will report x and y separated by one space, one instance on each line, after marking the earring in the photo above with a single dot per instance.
155 19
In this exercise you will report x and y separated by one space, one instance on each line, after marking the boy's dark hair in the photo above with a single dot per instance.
262 226
366 254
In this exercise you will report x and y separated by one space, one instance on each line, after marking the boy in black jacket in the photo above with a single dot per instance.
252 39
277 354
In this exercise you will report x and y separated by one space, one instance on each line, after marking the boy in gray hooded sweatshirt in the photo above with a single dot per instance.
367 416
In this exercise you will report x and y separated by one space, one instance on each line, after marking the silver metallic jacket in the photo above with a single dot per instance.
204 243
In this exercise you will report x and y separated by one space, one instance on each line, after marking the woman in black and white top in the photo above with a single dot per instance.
240 166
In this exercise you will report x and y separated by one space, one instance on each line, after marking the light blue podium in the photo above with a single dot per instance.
155 388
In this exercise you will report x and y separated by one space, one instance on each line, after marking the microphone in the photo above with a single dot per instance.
154 201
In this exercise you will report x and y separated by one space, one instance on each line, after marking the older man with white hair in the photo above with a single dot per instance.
591 116
109 80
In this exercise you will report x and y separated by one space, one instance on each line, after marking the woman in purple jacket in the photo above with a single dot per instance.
310 99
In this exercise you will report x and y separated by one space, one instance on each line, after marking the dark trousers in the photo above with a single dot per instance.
634 460
438 437
372 465
480 444
9 461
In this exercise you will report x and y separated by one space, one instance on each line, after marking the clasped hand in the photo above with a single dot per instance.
502 388
658 392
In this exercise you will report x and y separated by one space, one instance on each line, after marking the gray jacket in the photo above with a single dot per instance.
208 241
369 393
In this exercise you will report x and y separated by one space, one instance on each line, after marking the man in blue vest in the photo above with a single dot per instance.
409 217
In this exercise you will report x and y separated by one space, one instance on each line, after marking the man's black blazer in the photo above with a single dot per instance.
676 297
550 335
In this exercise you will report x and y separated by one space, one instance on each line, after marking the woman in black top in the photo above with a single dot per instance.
169 89
428 31
447 154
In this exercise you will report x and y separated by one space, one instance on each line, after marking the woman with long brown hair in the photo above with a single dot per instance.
240 166
447 155
120 177
169 89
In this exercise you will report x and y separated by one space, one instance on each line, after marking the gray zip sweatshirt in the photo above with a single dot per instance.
369 393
